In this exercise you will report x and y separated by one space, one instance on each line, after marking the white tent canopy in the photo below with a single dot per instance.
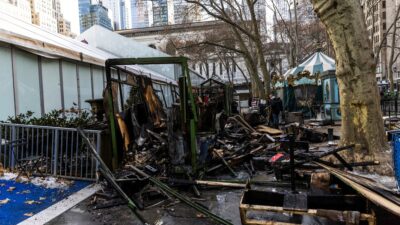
53 45
123 47
316 63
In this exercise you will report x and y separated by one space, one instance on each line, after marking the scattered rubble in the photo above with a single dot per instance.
238 148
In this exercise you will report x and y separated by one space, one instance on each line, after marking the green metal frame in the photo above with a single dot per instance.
185 87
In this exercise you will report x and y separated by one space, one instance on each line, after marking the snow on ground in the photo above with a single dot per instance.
46 182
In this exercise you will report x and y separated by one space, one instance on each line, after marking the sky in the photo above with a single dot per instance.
70 11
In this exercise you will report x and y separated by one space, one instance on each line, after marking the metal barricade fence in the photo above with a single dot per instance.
390 107
61 150
396 156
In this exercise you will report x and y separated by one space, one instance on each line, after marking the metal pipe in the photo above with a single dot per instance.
292 166
184 199
109 176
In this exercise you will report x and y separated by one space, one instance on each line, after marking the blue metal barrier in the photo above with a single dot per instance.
396 156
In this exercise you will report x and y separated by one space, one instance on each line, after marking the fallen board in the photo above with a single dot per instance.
370 194
268 130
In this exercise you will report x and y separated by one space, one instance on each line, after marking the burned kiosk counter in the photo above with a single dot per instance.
146 109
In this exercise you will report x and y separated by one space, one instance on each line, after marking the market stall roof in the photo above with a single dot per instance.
39 41
214 80
316 63
124 47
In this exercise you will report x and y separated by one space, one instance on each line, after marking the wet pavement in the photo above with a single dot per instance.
221 201
224 203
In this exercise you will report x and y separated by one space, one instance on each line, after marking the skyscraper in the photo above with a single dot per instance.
114 6
160 12
122 14
84 8
282 11
43 14
98 15
20 9
138 13
184 12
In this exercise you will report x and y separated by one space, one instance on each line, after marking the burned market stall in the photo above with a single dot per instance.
215 104
142 116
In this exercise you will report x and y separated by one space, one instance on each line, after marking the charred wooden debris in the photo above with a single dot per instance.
161 152
154 171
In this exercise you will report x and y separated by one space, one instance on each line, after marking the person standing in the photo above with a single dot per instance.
276 109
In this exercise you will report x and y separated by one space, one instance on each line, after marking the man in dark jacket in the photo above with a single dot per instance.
276 109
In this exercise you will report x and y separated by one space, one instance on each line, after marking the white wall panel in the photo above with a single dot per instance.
27 85
85 86
70 85
51 84
6 84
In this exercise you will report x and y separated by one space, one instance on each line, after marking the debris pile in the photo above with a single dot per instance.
238 148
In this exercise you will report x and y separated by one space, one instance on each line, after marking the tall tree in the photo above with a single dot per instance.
355 71
217 46
301 30
241 17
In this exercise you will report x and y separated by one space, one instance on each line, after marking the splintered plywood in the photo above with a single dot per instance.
268 130
153 102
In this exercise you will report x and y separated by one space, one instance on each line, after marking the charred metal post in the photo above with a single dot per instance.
330 134
292 166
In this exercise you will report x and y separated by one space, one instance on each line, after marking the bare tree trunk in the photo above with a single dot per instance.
259 49
355 70
256 85
296 33
241 71
293 40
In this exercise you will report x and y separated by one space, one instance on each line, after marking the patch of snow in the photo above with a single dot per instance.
50 182
9 176
47 182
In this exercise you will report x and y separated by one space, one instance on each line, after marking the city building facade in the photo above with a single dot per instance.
138 13
20 9
128 14
97 15
184 12
43 14
84 9
379 17
64 27
230 69
115 8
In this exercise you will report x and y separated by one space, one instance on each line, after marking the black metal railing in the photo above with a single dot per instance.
390 106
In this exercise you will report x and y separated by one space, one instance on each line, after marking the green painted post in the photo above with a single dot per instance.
112 119
189 87
193 145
